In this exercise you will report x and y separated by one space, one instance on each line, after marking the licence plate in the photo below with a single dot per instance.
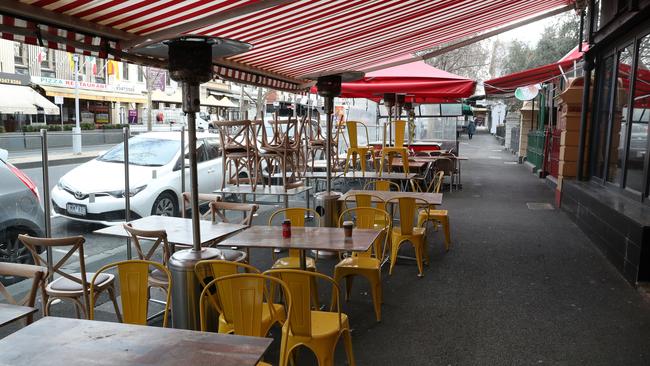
75 209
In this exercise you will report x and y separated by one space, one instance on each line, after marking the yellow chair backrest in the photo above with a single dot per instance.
381 185
366 218
299 284
134 289
399 130
362 200
297 217
209 270
353 130
407 209
248 293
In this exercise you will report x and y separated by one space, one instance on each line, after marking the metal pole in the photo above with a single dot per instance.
190 96
127 189
588 66
46 197
183 160
329 104
76 136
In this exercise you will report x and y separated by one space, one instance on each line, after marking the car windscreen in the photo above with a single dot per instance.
144 151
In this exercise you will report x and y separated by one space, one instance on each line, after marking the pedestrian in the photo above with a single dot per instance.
471 129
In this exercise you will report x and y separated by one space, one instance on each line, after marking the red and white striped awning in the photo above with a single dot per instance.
290 38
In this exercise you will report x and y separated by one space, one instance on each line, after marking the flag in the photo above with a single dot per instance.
41 55
71 61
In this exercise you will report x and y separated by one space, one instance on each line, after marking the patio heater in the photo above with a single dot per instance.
190 63
329 87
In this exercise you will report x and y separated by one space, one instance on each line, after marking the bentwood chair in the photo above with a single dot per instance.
448 167
134 290
239 150
209 270
219 211
408 232
242 300
70 286
317 142
317 330
156 277
283 149
355 149
397 148
204 198
365 264
36 273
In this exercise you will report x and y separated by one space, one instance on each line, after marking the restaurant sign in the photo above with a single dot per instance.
13 79
127 88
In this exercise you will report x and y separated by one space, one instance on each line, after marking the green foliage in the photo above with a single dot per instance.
2 129
87 126
113 127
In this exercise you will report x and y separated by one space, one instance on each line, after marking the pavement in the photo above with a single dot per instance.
521 285
28 159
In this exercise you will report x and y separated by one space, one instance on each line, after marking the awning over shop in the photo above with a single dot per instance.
224 102
508 83
290 39
104 96
25 100
420 82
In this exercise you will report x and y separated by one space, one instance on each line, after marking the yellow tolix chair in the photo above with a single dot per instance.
208 270
406 231
242 299
133 276
387 152
315 329
382 185
366 264
430 213
354 149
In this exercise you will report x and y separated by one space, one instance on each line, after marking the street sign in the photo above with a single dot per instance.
527 92
58 100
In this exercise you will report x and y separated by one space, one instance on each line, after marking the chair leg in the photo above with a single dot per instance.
445 224
418 259
375 290
348 287
347 342
393 256
111 294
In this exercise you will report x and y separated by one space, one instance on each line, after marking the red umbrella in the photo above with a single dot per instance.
420 82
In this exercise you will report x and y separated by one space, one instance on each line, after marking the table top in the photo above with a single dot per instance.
431 198
179 230
414 143
318 238
375 175
9 313
268 190
71 342
434 158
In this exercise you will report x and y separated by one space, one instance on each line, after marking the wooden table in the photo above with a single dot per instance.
10 313
430 198
72 342
179 230
316 238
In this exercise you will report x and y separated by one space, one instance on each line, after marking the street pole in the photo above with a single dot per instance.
76 133
149 110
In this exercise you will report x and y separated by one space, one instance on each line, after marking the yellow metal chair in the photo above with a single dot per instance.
242 299
317 330
407 232
382 185
434 215
297 217
209 270
354 149
133 276
366 264
387 151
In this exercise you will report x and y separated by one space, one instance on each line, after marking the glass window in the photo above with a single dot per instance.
125 71
602 115
19 54
144 151
451 109
140 73
619 122
212 147
640 117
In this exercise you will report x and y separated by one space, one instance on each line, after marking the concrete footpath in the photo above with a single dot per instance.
56 156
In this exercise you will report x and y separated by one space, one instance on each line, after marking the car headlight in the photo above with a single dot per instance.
133 192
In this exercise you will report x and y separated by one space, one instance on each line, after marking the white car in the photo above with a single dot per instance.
94 191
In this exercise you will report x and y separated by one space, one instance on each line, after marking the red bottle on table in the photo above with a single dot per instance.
286 228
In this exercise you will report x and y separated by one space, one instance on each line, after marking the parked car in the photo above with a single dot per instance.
94 191
21 212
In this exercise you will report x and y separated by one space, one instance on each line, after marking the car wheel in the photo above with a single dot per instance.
165 205
13 251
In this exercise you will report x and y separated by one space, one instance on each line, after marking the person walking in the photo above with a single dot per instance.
471 129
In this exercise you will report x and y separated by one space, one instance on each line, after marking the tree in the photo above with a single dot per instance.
470 61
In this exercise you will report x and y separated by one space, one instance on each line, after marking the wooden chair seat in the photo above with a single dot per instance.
63 284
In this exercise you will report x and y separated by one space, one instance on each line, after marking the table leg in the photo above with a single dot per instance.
459 170
303 260
286 201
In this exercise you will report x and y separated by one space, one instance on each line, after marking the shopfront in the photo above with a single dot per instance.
20 104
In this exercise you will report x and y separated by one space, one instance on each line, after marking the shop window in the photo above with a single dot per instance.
640 118
140 74
19 54
601 120
125 71
618 132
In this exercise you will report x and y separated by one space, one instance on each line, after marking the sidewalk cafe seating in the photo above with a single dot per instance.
240 150
134 290
382 185
406 231
447 165
242 299
419 182
317 141
430 213
36 273
70 286
389 149
366 264
315 329
218 209
203 198
209 270
354 149
157 278
283 150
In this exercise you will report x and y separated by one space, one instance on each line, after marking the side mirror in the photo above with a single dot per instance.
4 154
